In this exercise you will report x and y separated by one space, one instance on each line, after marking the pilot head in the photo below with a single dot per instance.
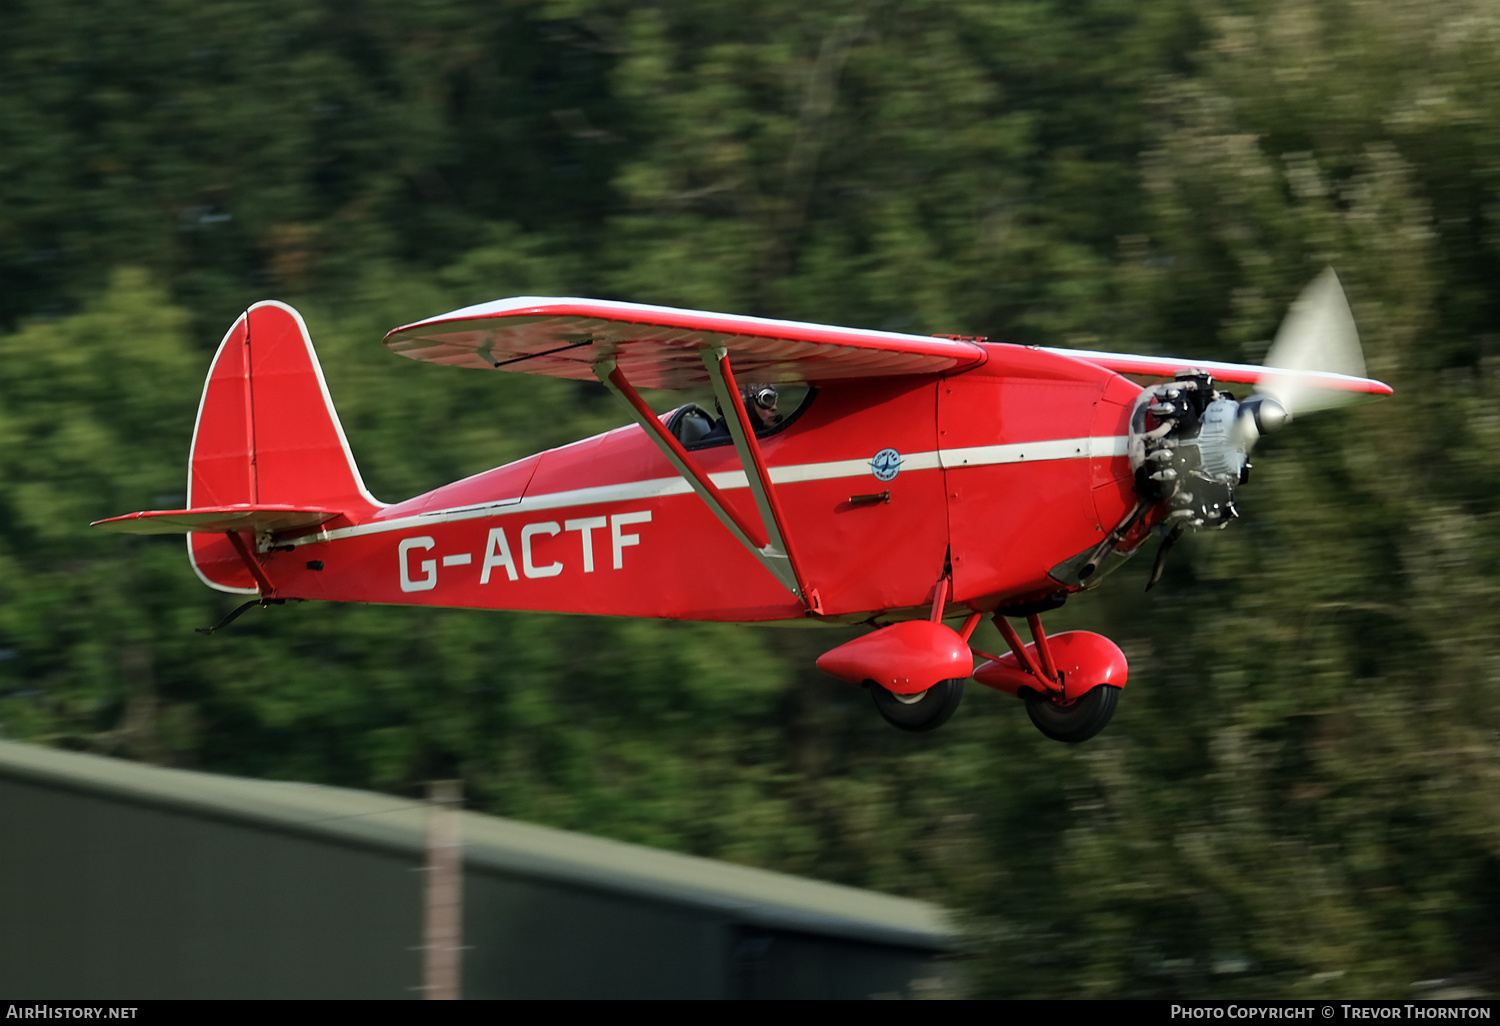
760 403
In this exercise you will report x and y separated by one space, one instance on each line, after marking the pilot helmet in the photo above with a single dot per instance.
763 396
758 395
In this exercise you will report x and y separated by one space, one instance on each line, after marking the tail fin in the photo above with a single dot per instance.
267 433
267 436
268 451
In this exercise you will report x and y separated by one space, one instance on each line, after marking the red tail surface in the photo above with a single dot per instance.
267 437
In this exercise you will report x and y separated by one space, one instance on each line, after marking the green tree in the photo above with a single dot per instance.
1294 804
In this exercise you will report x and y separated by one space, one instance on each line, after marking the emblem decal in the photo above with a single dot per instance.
886 465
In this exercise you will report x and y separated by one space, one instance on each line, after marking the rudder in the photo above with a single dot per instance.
267 435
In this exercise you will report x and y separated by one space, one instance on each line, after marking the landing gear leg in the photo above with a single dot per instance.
1047 702
930 709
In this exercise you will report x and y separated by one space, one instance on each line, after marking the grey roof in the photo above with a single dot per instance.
767 899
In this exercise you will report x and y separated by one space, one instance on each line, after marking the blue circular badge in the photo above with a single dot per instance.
886 465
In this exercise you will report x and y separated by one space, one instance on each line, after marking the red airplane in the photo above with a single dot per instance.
919 480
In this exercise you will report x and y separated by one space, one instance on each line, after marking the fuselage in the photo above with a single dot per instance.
1001 472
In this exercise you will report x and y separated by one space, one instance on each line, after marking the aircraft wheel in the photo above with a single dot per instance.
926 710
1077 722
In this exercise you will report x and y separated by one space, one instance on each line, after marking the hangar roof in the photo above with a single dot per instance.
491 843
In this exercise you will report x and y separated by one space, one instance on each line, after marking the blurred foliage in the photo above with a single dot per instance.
1299 795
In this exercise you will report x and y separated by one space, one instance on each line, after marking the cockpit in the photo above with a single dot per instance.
697 427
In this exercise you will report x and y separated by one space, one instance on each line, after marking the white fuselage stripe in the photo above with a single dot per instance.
728 480
1032 452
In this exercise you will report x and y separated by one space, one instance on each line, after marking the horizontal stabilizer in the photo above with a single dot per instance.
217 520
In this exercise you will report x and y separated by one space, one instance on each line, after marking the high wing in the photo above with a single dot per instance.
1164 367
661 347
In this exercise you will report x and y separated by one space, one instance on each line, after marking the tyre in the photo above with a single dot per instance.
926 710
1077 722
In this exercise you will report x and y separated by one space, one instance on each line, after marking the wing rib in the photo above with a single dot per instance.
658 346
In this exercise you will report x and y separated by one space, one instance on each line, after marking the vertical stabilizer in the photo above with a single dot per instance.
267 435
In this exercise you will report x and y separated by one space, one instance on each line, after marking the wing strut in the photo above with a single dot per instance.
771 557
716 360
